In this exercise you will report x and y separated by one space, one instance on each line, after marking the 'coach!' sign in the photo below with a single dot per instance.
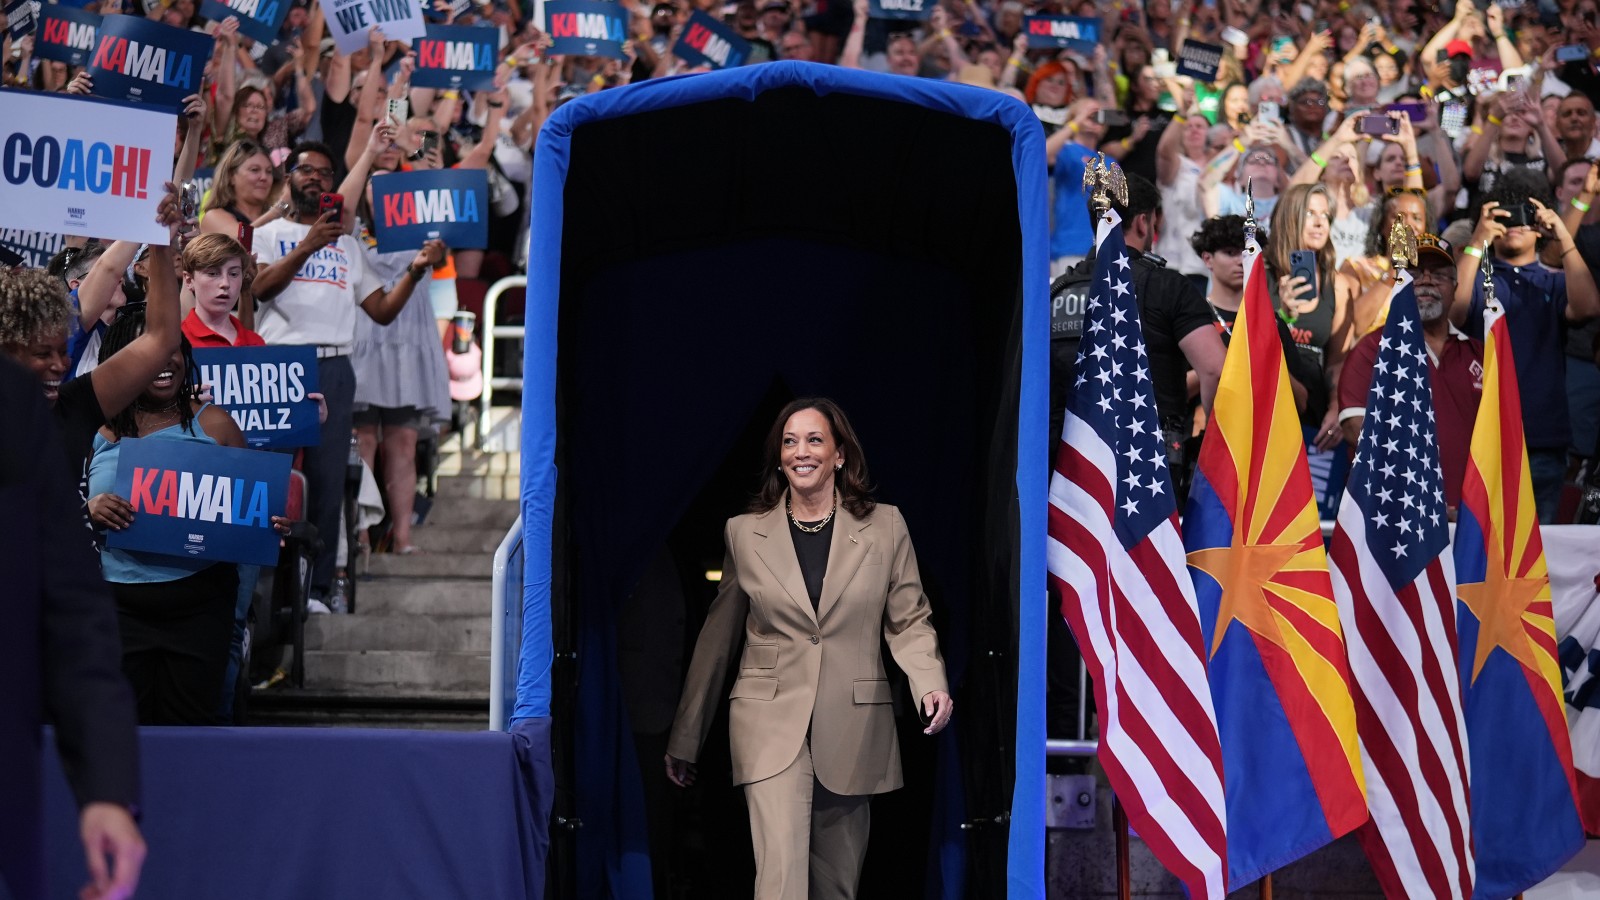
142 61
66 34
586 28
200 500
451 205
85 167
259 20
266 390
457 57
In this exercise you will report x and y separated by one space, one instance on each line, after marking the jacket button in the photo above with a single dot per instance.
815 639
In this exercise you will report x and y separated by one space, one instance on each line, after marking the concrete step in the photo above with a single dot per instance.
398 632
410 710
432 565
458 539
403 670
456 512
424 597
473 462
480 487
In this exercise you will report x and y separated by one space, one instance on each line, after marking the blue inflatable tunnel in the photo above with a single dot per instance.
703 250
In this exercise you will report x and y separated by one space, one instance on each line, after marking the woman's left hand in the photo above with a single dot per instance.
1328 433
938 707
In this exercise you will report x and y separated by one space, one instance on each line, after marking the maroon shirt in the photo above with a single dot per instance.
1456 378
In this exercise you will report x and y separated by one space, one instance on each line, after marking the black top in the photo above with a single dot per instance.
1301 367
78 418
1170 308
812 550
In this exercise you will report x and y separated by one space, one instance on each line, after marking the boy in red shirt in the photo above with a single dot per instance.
214 267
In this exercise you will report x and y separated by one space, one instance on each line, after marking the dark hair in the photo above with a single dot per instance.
1561 173
315 147
125 330
855 490
1219 233
1382 208
1143 197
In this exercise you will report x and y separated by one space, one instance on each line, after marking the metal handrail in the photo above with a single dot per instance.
507 605
492 332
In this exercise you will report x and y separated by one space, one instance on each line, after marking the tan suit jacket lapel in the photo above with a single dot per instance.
845 553
776 549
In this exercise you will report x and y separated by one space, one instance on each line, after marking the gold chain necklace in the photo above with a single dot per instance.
788 507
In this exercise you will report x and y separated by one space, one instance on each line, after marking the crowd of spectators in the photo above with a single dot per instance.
1332 119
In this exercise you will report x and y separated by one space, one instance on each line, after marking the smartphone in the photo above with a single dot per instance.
1281 43
189 200
1111 117
1453 117
1267 111
1572 53
1303 264
1376 124
1416 112
247 235
399 111
429 143
332 203
1521 214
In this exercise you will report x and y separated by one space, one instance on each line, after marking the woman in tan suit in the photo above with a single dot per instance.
815 575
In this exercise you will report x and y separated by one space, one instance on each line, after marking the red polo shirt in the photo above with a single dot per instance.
201 335
1456 380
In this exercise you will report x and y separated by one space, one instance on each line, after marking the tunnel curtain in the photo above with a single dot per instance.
553 160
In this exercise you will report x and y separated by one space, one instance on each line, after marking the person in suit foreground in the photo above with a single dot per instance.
816 574
60 660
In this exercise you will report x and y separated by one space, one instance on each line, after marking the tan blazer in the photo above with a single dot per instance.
820 669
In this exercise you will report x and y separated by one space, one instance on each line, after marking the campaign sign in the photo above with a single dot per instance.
1200 61
903 10
80 166
142 61
20 16
586 28
264 389
1076 33
708 42
34 248
259 20
66 34
456 57
450 204
349 21
201 500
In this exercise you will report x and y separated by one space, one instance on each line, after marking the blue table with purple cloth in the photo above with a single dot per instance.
275 813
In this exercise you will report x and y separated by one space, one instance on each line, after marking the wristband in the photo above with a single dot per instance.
1127 143
1321 163
598 80
1178 118
1072 128
1472 251
1238 145
1477 130
944 33
1494 121
417 273
1579 205
1012 62
1414 168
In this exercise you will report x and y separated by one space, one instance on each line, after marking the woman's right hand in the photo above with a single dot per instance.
679 771
109 511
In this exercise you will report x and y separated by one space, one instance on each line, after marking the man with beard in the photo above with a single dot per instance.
1455 368
313 278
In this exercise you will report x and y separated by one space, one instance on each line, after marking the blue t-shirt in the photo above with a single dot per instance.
1071 234
1535 301
134 566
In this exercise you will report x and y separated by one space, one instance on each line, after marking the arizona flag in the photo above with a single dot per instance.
1280 682
1524 796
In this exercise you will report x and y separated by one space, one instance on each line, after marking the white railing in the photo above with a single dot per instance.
505 628
491 334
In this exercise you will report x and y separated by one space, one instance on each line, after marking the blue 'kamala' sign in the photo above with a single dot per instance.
450 204
142 61
66 34
264 389
200 500
1074 33
708 42
587 27
259 20
456 57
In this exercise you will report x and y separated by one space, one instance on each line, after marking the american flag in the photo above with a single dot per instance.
1116 556
1394 581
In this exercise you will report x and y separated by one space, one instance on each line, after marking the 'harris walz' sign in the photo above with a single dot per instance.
265 390
587 27
66 34
1074 33
33 248
200 500
142 61
457 57
259 20
450 204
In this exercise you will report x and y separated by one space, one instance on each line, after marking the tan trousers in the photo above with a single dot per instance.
809 841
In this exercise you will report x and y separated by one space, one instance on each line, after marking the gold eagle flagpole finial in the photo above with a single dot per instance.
1104 181
1402 245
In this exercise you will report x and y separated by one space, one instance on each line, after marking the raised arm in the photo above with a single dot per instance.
120 379
227 38
98 286
383 305
194 117
851 57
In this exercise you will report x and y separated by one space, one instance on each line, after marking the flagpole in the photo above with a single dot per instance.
1119 824
1266 886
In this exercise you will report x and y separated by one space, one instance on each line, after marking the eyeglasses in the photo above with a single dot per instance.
1265 159
1433 273
320 171
1311 101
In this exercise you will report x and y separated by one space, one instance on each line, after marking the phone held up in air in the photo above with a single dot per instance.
1520 215
333 203
1572 53
1303 264
1267 111
1378 124
1111 117
247 235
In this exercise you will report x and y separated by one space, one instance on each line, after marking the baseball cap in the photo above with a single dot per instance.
1438 246
1458 47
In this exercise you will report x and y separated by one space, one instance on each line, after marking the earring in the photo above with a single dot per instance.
838 466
